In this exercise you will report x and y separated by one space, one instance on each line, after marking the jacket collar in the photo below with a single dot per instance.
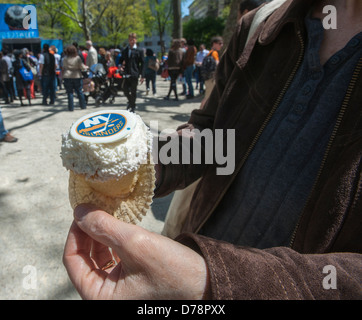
290 12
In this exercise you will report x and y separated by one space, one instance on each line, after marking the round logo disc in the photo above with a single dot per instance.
103 126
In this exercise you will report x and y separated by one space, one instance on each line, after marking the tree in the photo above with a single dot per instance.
52 24
202 30
162 10
177 19
121 18
86 13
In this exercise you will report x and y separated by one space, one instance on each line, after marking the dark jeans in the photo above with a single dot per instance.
130 91
199 79
173 84
48 88
71 86
5 91
151 78
10 88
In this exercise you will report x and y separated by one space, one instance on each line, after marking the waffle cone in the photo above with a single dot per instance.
128 198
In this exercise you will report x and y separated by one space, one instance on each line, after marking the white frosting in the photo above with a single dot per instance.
105 161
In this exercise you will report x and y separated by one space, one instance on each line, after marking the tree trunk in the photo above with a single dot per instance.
86 32
162 45
231 22
177 23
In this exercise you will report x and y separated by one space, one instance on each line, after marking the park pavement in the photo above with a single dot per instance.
35 214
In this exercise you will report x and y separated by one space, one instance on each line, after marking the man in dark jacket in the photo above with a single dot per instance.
131 61
47 68
286 224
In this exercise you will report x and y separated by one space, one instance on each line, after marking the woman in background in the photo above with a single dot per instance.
21 84
72 75
150 74
175 63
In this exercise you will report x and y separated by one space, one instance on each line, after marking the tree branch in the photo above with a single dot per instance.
80 23
71 9
101 14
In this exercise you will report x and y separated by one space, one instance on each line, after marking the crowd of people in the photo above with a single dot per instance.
184 63
24 75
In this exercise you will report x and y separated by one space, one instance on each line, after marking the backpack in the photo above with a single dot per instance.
208 67
153 64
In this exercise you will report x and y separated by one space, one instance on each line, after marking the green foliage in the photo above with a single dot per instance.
163 19
121 18
106 22
202 30
54 25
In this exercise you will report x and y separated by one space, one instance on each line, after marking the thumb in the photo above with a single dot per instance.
104 228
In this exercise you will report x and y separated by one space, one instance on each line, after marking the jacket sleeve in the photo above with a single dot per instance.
279 273
141 64
178 176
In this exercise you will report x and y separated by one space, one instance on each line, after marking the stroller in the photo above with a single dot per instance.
115 83
100 86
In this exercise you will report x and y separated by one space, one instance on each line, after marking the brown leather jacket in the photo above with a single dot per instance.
250 84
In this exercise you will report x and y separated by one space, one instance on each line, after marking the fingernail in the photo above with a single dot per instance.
81 211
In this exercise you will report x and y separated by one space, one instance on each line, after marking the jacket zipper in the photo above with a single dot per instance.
340 116
251 147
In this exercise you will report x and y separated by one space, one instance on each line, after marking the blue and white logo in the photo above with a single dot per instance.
103 126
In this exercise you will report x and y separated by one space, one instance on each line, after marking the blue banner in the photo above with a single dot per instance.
53 42
18 21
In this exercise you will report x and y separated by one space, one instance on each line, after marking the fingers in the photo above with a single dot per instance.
102 256
77 260
106 229
99 225
151 265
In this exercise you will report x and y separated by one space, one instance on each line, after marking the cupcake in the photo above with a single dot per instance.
108 155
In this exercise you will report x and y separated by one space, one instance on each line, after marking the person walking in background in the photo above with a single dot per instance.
92 56
216 46
57 58
132 61
198 62
72 75
38 80
182 77
189 67
102 58
79 51
9 83
117 56
84 54
109 60
175 65
164 67
32 64
21 84
47 68
35 70
4 77
151 69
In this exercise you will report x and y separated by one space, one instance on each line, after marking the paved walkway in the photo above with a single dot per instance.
35 214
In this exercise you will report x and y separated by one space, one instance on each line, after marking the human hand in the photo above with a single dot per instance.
142 80
149 266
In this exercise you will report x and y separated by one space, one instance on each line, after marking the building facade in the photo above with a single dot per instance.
213 8
153 43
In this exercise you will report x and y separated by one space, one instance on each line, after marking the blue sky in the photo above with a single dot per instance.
185 7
